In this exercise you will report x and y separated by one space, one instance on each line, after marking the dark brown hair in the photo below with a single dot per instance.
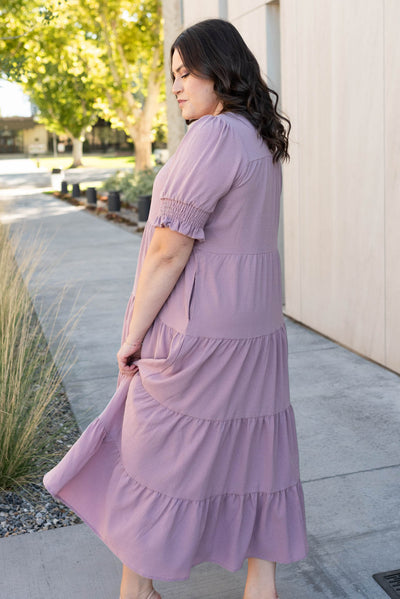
214 49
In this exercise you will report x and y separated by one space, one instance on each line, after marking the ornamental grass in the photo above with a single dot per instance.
29 378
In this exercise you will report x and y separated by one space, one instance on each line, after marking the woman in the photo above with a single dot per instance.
195 458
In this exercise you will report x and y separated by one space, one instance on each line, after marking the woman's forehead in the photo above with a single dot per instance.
177 62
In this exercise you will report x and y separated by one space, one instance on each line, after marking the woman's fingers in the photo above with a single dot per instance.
126 366
124 369
126 357
129 372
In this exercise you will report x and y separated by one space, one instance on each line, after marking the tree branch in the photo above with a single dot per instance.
153 89
109 48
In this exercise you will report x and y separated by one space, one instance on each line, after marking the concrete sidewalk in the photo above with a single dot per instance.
21 172
348 416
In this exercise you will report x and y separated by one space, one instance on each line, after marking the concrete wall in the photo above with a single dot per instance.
339 66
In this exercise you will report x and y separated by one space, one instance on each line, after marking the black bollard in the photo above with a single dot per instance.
114 201
91 196
143 208
76 192
64 187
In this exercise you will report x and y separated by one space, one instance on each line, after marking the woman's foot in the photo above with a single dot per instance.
260 583
134 586
153 595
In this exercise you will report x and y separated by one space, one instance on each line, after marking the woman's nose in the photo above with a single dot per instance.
176 86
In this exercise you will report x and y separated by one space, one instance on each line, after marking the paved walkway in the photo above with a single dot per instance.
347 410
23 172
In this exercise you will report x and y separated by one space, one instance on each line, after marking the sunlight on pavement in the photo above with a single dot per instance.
29 205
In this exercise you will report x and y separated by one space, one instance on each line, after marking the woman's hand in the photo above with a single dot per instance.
128 352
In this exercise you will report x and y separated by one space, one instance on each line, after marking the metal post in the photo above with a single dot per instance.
114 201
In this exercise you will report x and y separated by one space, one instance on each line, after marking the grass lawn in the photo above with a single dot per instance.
90 161
85 184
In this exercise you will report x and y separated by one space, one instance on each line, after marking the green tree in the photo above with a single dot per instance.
64 94
39 56
127 35
84 56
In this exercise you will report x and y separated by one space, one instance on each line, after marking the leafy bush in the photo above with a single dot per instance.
29 379
132 185
114 182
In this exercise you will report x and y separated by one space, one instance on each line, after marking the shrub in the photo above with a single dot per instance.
132 185
114 182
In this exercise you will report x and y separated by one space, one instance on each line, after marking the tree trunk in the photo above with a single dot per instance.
77 150
142 143
141 131
172 10
141 137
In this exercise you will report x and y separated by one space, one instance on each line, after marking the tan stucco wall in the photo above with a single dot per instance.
340 74
342 247
252 27
197 10
392 182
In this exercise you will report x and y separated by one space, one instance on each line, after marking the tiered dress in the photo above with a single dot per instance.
195 458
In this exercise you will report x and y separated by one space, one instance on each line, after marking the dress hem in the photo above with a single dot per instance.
182 577
62 491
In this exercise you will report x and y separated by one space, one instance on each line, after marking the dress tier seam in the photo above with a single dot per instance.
187 499
217 420
222 339
200 250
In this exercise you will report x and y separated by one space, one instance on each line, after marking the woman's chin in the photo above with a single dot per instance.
186 115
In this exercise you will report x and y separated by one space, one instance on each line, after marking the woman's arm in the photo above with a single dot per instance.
165 260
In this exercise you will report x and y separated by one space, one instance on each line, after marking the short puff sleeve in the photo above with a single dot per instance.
202 170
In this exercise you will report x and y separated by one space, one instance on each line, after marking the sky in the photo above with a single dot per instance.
13 101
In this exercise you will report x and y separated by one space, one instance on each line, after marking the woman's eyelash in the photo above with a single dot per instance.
185 75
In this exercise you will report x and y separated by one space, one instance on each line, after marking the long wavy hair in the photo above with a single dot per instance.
214 49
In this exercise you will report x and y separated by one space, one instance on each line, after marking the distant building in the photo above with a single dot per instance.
23 135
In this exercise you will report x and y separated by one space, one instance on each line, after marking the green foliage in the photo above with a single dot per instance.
21 23
144 182
117 182
132 185
80 59
39 55
29 379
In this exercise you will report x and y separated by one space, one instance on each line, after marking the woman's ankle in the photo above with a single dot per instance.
259 592
260 583
134 586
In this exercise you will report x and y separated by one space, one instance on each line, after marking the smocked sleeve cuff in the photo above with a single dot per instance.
183 218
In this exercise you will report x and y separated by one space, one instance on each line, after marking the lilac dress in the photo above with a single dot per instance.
195 458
